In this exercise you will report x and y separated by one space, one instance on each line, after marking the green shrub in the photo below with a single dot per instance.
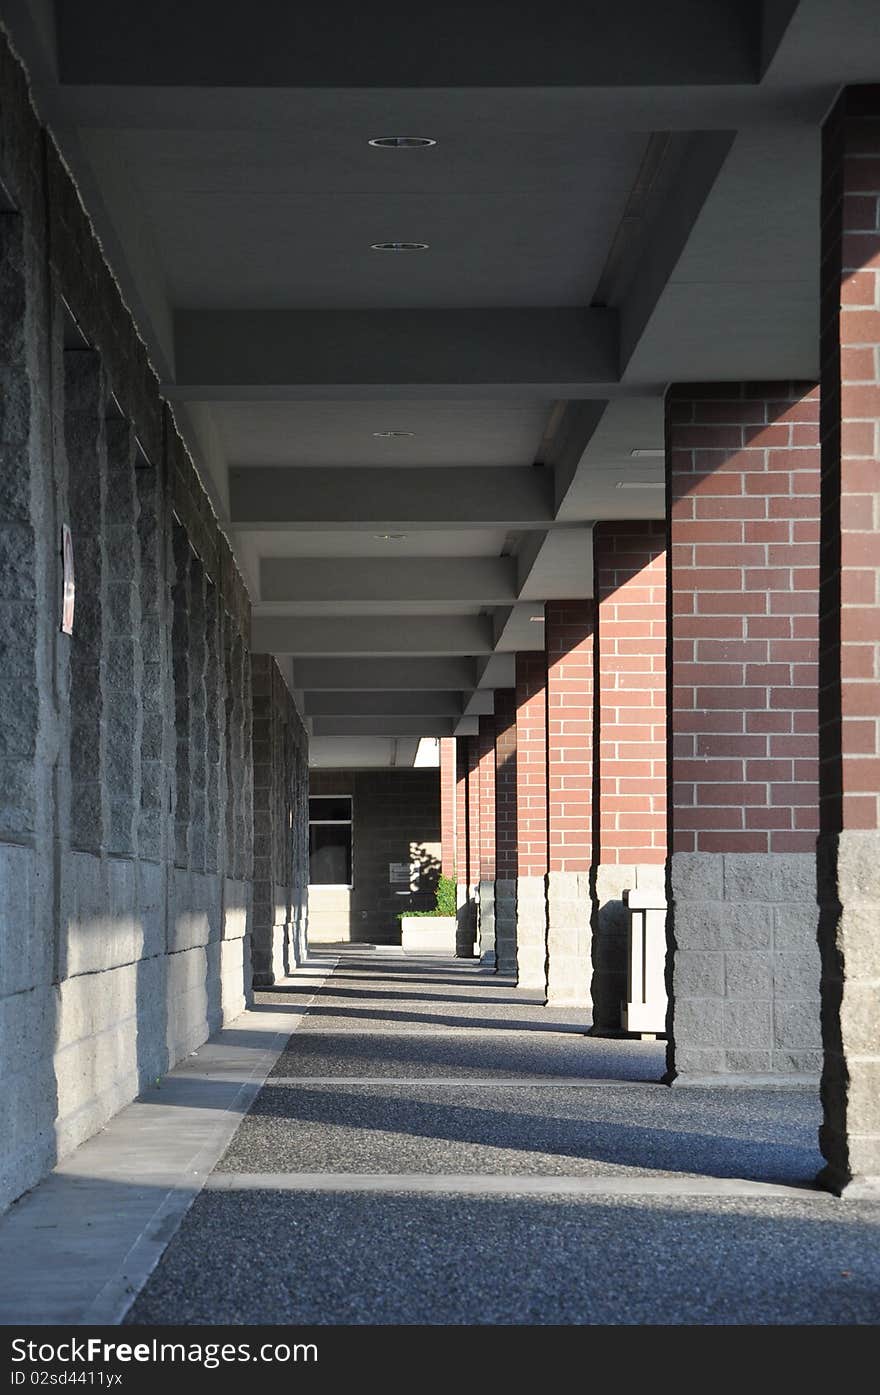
444 900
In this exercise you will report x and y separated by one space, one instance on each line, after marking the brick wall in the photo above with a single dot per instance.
630 562
531 763
472 744
743 565
505 784
447 806
486 747
569 627
461 811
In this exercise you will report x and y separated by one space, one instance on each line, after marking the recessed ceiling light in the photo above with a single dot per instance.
398 246
389 537
392 435
401 142
640 484
648 453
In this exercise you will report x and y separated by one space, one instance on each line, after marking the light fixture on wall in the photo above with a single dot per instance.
389 537
392 435
401 142
648 453
640 484
536 619
399 246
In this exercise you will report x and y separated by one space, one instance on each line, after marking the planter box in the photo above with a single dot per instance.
428 934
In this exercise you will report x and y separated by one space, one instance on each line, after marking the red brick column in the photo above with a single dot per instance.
630 822
531 819
569 627
473 811
743 574
486 910
505 830
849 665
447 806
465 936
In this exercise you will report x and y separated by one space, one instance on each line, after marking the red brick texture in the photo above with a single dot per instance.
849 664
461 806
531 764
630 564
568 630
473 809
486 745
743 570
447 806
505 784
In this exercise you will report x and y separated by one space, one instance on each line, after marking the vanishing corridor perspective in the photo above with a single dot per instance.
440 662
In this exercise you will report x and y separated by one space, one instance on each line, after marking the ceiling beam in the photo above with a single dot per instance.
478 580
284 45
559 567
383 726
369 635
369 497
383 704
260 355
452 674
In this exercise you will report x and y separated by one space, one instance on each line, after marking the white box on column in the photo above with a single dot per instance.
645 1008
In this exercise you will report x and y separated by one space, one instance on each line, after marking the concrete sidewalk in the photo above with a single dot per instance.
432 1145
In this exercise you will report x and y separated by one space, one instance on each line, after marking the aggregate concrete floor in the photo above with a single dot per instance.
432 1146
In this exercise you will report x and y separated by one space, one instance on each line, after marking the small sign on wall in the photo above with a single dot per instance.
68 581
398 873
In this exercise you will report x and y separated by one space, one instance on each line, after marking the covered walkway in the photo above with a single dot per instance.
431 1145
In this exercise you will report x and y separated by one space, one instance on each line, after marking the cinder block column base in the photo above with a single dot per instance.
531 933
487 928
569 934
849 898
505 925
610 934
745 975
466 927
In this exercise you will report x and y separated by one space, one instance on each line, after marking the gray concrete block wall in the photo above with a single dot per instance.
568 939
531 933
505 925
280 754
126 802
745 970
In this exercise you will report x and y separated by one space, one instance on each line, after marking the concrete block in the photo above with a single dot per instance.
26 941
796 977
795 926
697 876
748 975
782 877
698 925
796 1026
697 1061
531 933
748 1024
698 974
698 1022
569 939
741 1062
746 926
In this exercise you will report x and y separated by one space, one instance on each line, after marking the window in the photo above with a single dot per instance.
330 840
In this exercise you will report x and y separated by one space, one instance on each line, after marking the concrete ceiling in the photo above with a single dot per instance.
619 197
